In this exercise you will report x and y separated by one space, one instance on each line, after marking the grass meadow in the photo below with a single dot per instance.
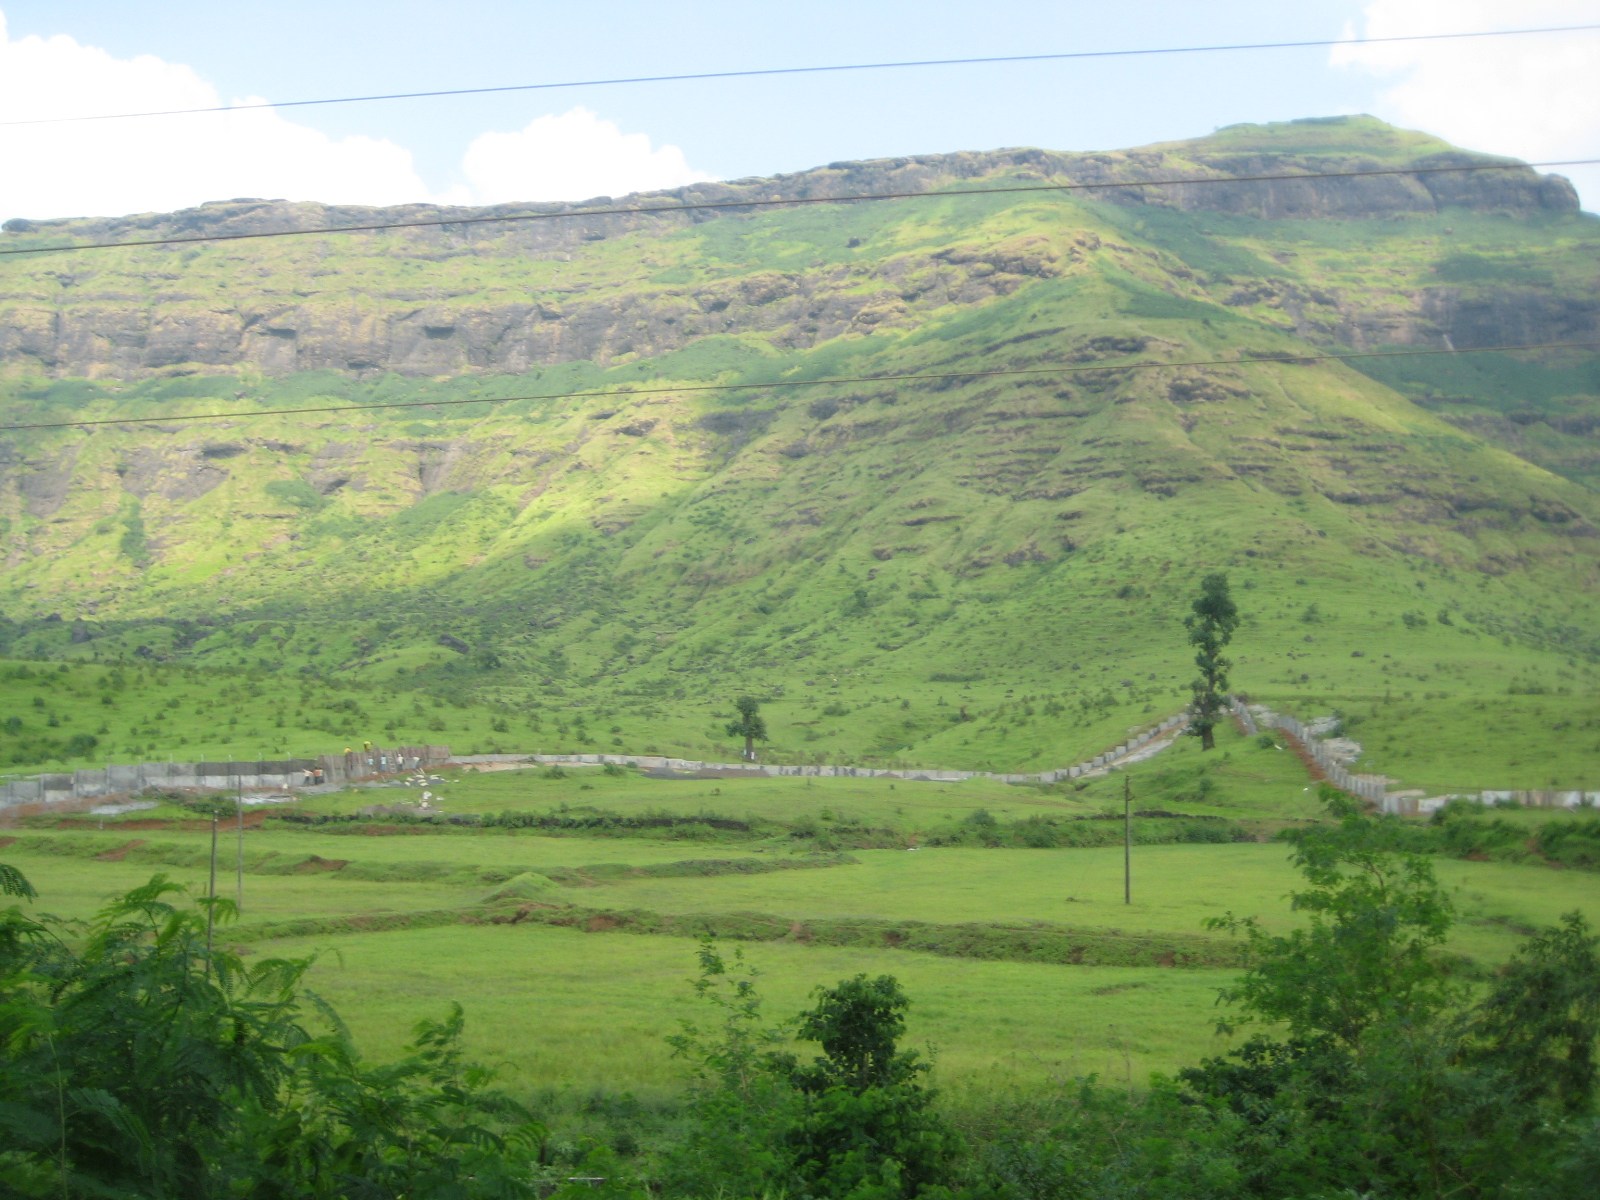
404 919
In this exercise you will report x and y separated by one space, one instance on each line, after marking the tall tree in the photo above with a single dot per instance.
1211 625
751 725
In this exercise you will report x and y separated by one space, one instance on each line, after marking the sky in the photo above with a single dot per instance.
1534 97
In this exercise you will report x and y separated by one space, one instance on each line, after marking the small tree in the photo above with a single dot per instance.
855 1123
751 725
858 1023
1386 1079
867 1130
1211 625
1367 952
741 1103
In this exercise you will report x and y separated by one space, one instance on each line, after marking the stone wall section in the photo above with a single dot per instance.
655 762
113 782
47 791
55 790
1374 788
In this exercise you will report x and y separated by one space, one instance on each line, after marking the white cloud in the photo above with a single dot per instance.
157 164
1529 96
574 156
102 168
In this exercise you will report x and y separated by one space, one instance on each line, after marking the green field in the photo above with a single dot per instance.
405 918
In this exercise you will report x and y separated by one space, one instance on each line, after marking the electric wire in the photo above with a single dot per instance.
786 202
813 70
1288 358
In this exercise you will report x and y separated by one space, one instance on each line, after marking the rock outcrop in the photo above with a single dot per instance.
141 312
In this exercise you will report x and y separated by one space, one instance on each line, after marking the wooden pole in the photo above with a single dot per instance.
239 854
1127 840
211 891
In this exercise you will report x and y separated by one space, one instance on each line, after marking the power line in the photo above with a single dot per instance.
817 70
791 201
1285 359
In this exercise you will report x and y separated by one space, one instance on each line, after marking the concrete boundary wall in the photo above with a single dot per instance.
1411 804
1368 787
289 774
114 781
1372 787
270 775
656 762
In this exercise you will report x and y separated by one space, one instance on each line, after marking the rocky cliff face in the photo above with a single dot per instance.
98 338
216 307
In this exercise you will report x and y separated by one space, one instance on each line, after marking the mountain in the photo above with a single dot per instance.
935 475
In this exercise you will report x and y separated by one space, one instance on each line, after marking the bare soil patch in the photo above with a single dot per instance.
317 864
120 852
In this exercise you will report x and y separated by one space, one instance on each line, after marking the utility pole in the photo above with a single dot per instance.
1127 840
239 855
211 890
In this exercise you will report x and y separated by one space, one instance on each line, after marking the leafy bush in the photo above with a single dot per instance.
138 1060
1151 827
1387 1078
1463 829
856 1122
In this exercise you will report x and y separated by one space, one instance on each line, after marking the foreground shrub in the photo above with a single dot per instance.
137 1060
1390 1078
856 1122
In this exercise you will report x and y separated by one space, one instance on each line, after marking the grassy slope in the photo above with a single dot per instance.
874 560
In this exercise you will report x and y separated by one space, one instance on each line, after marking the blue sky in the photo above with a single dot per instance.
1532 97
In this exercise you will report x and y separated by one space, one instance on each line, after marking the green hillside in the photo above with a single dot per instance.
982 567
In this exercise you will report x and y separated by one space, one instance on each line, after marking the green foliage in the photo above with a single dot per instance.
1537 1026
1090 1140
135 1061
1465 829
858 1023
14 883
427 1124
1039 832
1367 952
740 1103
1572 843
856 1122
1390 1081
121 1054
866 1128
